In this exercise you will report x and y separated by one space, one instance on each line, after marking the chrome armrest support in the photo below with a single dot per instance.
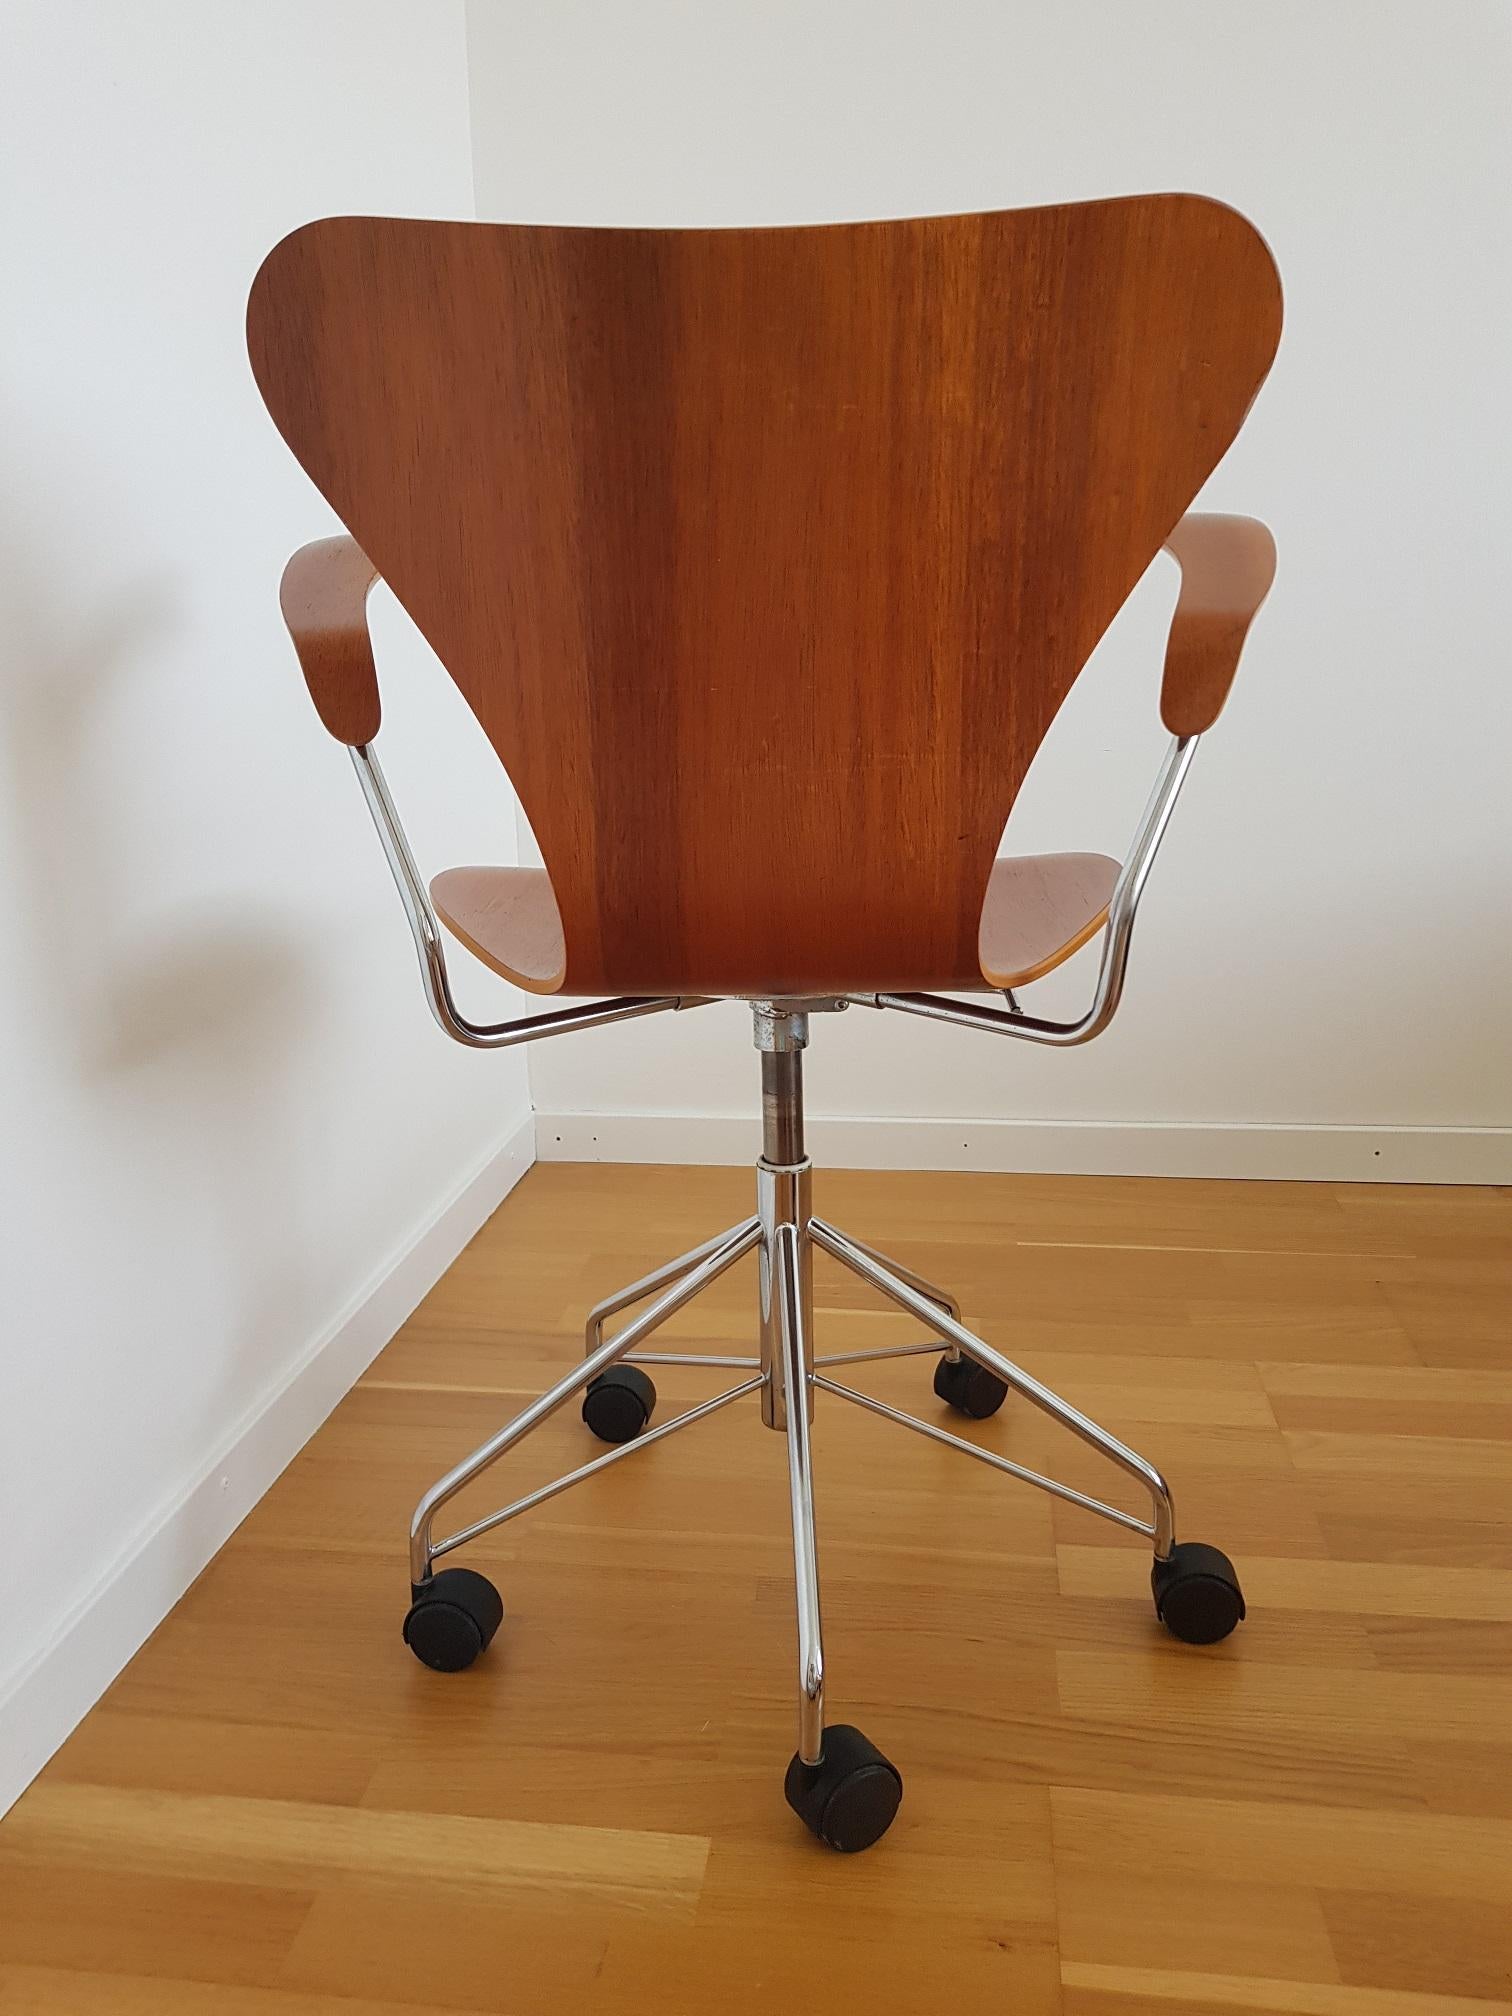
425 928
1117 935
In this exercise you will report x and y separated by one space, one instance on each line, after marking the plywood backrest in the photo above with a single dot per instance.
765 557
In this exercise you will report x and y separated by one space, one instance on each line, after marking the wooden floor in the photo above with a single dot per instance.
277 1812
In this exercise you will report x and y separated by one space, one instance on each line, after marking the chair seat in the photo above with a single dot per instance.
1039 909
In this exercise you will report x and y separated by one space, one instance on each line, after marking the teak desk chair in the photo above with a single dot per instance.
765 558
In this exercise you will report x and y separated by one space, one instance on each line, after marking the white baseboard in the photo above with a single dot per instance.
1051 1147
48 1696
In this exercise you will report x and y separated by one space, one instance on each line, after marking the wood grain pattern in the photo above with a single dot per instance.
1227 567
323 596
508 918
1040 908
287 1843
765 558
276 1812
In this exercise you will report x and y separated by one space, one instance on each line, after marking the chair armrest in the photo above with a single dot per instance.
323 596
1227 566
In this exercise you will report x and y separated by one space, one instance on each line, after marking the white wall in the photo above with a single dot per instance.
1321 979
235 1149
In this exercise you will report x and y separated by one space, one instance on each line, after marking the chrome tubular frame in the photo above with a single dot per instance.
797 1373
531 1499
933 1347
783 1233
425 928
1117 936
1162 1526
943 1296
990 1456
423 1550
783 1182
660 1277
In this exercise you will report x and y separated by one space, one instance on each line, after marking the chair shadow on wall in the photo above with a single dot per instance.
174 1023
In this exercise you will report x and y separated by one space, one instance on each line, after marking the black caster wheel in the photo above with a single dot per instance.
617 1405
850 1797
969 1388
1197 1593
453 1619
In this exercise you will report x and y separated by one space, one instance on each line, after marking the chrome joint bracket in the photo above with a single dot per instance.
780 1027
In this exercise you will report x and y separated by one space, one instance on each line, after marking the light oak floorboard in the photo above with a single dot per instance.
277 1812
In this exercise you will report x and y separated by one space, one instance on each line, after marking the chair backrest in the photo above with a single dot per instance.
766 557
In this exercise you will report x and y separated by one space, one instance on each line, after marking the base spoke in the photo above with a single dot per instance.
989 1456
1162 1525
586 1470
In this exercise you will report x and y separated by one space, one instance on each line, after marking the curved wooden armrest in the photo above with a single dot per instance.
1227 566
323 596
